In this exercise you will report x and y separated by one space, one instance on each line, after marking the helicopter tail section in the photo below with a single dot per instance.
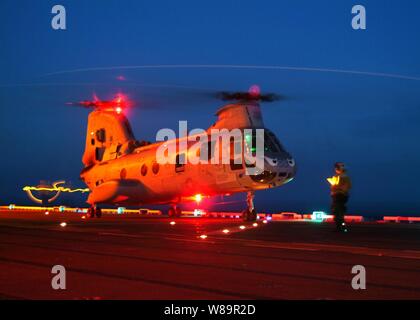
109 135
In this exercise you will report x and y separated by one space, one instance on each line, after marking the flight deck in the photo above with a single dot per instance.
130 256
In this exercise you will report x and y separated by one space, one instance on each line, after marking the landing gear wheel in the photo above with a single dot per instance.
94 211
91 212
249 215
171 212
174 212
253 215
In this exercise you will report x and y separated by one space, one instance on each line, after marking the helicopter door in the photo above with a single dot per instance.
223 174
236 155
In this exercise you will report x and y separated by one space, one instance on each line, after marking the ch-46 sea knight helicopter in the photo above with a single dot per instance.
120 170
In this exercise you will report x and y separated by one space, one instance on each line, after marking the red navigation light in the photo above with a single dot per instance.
119 99
122 102
254 91
118 104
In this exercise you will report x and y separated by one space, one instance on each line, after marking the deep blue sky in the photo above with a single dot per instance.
371 123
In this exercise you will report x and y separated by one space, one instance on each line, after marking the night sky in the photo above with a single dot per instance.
369 121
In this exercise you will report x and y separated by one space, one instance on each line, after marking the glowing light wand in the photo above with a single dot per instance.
334 181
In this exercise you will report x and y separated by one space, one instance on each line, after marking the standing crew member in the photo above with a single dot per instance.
340 187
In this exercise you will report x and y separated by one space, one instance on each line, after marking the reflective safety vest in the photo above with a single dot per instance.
342 185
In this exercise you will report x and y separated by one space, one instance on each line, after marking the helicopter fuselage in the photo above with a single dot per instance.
121 171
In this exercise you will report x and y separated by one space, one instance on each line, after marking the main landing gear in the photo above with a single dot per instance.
250 214
94 211
174 212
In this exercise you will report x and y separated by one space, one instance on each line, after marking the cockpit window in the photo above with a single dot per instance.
276 141
251 142
271 143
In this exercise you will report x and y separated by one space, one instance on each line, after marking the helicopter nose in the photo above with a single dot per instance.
286 170
277 171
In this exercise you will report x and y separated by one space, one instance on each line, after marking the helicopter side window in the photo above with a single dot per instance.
180 162
155 167
235 154
101 135
99 154
143 170
208 150
118 150
128 128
